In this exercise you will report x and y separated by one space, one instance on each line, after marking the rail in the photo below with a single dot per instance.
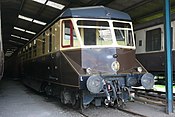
158 96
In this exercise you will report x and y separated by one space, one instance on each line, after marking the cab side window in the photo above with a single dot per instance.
69 38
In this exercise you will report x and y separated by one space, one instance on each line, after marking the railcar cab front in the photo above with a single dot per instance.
102 53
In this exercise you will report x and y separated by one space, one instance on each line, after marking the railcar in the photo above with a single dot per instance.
86 55
151 50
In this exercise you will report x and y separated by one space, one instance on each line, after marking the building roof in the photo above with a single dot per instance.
22 20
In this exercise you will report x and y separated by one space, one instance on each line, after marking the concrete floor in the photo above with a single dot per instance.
16 100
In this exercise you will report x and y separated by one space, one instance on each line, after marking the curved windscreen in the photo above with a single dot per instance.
107 32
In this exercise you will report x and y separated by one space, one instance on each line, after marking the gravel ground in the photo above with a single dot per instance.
16 100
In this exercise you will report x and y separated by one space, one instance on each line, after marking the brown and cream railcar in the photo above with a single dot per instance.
150 48
87 54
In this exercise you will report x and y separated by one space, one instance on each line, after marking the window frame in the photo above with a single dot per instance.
63 34
150 41
50 40
43 42
114 44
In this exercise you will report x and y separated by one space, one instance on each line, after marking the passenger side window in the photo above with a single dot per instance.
50 39
153 40
34 48
26 52
30 50
43 43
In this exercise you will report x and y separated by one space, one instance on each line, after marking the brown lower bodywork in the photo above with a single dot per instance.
155 61
67 66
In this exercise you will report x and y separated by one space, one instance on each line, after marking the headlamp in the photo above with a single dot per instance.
89 70
139 69
115 66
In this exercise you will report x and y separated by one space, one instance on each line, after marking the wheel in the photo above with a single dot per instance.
62 97
48 90
76 101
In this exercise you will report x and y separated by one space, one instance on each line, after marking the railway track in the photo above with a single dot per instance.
132 113
157 97
83 114
135 114
158 94
123 110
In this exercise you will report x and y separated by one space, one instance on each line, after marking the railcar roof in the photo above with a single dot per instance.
95 12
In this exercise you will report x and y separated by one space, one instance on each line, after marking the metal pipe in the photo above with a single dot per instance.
114 91
168 51
107 93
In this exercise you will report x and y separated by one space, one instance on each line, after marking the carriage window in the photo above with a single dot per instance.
153 40
34 48
69 36
50 40
95 32
26 52
43 43
30 50
23 51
